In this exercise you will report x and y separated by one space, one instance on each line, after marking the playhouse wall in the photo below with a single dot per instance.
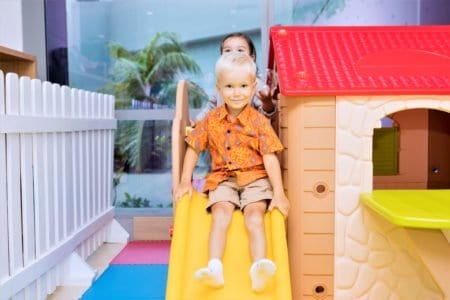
309 171
374 259
413 152
439 149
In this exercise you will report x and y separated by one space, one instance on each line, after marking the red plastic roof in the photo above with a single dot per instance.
367 60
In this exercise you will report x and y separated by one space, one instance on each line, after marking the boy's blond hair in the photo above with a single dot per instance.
232 60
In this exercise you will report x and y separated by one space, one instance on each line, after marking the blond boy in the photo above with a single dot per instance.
245 169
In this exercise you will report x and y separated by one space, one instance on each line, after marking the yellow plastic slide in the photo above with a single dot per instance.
189 252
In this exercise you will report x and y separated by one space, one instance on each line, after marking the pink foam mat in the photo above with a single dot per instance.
143 253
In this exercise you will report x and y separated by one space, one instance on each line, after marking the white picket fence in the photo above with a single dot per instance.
56 159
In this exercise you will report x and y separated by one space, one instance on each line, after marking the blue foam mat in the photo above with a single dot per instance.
129 282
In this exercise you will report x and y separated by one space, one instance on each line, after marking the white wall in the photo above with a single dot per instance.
33 24
22 28
11 24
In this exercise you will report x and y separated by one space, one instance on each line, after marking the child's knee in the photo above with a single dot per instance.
254 216
254 219
222 210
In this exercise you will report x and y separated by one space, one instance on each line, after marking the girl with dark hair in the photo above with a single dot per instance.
263 101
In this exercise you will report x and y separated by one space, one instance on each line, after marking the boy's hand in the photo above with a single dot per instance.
281 202
182 189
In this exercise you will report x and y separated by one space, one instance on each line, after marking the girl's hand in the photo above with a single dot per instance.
182 189
266 95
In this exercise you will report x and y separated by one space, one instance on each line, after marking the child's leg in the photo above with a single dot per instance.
254 222
262 268
221 213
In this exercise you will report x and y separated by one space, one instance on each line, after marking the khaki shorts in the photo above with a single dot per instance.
229 191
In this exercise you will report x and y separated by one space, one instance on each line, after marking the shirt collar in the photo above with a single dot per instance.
222 112
243 117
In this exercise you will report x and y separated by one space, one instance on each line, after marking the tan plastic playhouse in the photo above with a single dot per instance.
336 84
350 234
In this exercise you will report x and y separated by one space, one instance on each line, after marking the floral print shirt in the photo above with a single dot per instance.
236 146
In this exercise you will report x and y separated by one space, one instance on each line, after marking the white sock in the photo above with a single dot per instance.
212 275
261 272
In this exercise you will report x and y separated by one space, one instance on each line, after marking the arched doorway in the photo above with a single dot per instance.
412 151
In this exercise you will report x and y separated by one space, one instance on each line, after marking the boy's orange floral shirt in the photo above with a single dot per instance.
236 147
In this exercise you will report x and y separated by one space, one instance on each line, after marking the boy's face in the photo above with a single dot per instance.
237 88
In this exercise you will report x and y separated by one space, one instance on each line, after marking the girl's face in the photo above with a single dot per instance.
237 44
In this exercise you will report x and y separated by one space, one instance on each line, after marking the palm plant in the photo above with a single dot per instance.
142 74
150 75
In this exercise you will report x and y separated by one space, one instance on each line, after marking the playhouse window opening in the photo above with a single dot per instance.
414 146
385 148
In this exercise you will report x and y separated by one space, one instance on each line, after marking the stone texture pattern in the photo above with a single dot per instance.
374 259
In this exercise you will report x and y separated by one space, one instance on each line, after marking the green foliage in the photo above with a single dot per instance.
144 73
134 201
141 145
116 182
128 143
149 74
197 95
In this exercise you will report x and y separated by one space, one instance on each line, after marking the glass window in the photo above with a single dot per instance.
200 26
142 164
117 46
82 34
356 12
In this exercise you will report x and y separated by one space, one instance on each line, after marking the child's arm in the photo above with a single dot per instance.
185 186
273 169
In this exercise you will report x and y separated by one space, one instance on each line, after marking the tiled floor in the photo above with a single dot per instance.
99 261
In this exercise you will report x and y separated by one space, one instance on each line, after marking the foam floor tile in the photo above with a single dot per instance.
144 252
129 282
